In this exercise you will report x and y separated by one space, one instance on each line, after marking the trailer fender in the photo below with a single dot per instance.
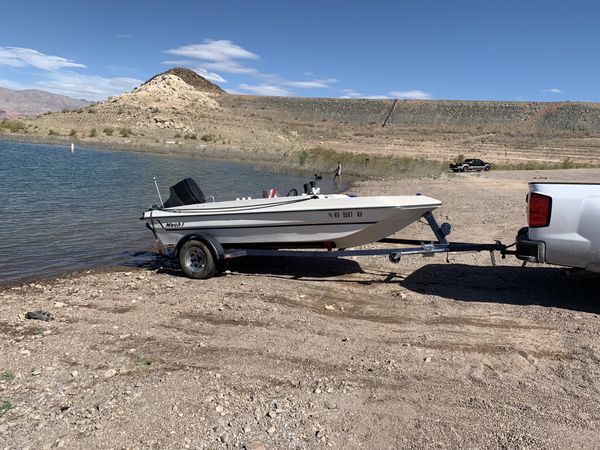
210 241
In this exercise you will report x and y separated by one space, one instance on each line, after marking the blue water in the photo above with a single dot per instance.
62 211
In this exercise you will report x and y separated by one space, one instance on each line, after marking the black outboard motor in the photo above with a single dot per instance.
186 192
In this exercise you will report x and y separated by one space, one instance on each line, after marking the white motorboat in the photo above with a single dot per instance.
301 221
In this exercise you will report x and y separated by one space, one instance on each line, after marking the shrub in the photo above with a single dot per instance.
73 132
8 375
208 137
194 136
125 132
12 125
51 132
177 135
5 407
109 131
93 132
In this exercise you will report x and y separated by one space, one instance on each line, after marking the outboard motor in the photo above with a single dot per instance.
186 192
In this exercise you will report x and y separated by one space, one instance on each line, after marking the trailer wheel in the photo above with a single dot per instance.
196 260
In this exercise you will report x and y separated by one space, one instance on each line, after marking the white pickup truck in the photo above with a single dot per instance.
564 225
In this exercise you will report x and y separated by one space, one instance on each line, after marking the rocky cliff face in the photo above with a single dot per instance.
31 102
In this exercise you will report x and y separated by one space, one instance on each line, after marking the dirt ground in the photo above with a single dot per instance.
281 353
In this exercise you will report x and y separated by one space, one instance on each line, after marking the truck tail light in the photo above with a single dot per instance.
539 210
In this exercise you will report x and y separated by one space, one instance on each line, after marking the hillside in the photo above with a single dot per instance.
179 111
31 102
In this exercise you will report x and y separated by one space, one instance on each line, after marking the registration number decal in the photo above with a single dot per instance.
344 214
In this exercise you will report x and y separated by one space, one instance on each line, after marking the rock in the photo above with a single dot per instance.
59 304
219 409
320 434
36 372
330 307
74 374
39 315
428 359
110 373
330 405
271 430
317 391
255 445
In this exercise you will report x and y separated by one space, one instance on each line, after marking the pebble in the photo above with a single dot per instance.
330 307
428 359
255 446
219 409
330 405
59 304
36 372
271 430
110 373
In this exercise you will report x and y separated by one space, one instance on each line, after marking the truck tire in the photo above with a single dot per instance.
196 260
487 167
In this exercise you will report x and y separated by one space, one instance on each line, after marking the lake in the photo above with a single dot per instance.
63 211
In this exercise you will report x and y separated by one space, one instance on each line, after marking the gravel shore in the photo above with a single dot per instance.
280 353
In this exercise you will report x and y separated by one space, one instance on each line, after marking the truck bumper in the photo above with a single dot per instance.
529 250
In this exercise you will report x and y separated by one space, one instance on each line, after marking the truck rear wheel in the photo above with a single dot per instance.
196 260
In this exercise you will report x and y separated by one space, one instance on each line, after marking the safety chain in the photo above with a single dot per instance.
493 258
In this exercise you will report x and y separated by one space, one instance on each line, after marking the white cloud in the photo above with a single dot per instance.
553 91
414 94
23 57
350 93
265 89
90 87
210 76
124 36
229 67
310 84
222 50
223 56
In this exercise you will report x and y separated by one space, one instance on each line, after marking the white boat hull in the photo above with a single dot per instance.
326 220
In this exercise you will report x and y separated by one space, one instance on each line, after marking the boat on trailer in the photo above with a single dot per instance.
203 235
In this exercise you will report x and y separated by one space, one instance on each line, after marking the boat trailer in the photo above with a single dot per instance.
201 255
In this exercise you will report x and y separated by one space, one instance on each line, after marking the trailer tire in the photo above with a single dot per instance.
196 260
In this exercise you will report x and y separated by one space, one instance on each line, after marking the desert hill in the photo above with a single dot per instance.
180 111
30 102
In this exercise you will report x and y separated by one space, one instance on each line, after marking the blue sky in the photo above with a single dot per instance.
478 50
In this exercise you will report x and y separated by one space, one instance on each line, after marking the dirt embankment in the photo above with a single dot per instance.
312 354
179 111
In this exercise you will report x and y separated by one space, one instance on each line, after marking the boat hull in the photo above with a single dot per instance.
337 221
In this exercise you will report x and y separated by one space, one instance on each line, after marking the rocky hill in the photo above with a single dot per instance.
31 102
179 111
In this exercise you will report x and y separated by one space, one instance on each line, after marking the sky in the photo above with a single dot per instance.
525 50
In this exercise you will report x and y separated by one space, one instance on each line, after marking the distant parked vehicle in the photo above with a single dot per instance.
470 165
